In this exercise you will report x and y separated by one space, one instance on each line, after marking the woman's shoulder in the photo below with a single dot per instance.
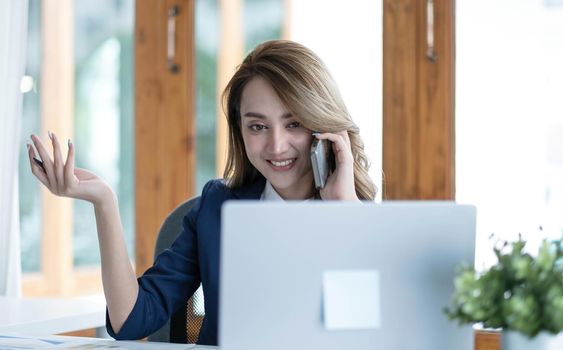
215 187
220 189
217 191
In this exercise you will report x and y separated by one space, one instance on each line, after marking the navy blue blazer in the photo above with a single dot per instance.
178 271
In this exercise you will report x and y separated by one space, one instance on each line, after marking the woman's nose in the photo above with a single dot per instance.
277 142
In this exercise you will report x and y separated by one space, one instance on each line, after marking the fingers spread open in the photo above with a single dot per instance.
69 165
47 162
37 169
58 164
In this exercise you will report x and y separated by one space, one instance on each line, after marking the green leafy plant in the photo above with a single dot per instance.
520 292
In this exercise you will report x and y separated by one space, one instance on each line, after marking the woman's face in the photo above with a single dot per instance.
276 143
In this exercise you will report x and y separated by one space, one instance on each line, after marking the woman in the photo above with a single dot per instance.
277 97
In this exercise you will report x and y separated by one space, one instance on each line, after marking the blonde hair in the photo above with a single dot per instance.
306 87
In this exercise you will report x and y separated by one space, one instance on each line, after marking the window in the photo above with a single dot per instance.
509 118
96 99
104 114
30 203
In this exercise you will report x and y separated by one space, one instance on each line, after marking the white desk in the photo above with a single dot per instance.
49 316
8 341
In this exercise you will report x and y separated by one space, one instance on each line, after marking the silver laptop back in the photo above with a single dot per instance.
274 256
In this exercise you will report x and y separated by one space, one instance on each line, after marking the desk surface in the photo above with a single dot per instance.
11 341
49 316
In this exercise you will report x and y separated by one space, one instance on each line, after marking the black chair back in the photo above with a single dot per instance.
184 325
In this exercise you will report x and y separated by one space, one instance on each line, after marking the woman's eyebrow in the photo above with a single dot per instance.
262 116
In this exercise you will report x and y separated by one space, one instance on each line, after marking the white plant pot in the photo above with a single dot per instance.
543 341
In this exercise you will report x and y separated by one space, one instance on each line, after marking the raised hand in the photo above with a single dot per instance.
61 177
340 184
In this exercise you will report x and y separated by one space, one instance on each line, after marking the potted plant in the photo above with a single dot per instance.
520 294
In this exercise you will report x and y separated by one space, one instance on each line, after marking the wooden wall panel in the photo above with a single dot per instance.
165 119
418 106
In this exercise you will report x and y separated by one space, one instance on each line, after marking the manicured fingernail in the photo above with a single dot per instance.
28 146
50 134
69 143
316 134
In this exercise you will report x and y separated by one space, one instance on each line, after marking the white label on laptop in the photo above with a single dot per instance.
351 299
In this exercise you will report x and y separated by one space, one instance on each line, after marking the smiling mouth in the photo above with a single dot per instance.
283 163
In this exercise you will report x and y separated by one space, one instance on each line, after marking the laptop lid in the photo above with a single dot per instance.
279 260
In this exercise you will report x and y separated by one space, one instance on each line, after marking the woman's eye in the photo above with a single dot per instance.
256 127
294 125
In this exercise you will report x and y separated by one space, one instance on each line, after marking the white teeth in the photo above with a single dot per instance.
284 163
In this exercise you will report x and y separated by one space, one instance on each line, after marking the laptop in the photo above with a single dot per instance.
336 275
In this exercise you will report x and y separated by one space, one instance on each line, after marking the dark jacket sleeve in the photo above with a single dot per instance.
165 286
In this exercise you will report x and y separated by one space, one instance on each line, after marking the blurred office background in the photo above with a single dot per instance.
508 113
103 100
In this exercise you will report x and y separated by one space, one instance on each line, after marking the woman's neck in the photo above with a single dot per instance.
296 193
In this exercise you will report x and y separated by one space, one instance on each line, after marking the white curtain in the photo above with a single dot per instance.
13 39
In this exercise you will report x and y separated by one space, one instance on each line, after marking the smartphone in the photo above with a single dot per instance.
321 161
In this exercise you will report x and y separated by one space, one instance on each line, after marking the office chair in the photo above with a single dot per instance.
184 325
